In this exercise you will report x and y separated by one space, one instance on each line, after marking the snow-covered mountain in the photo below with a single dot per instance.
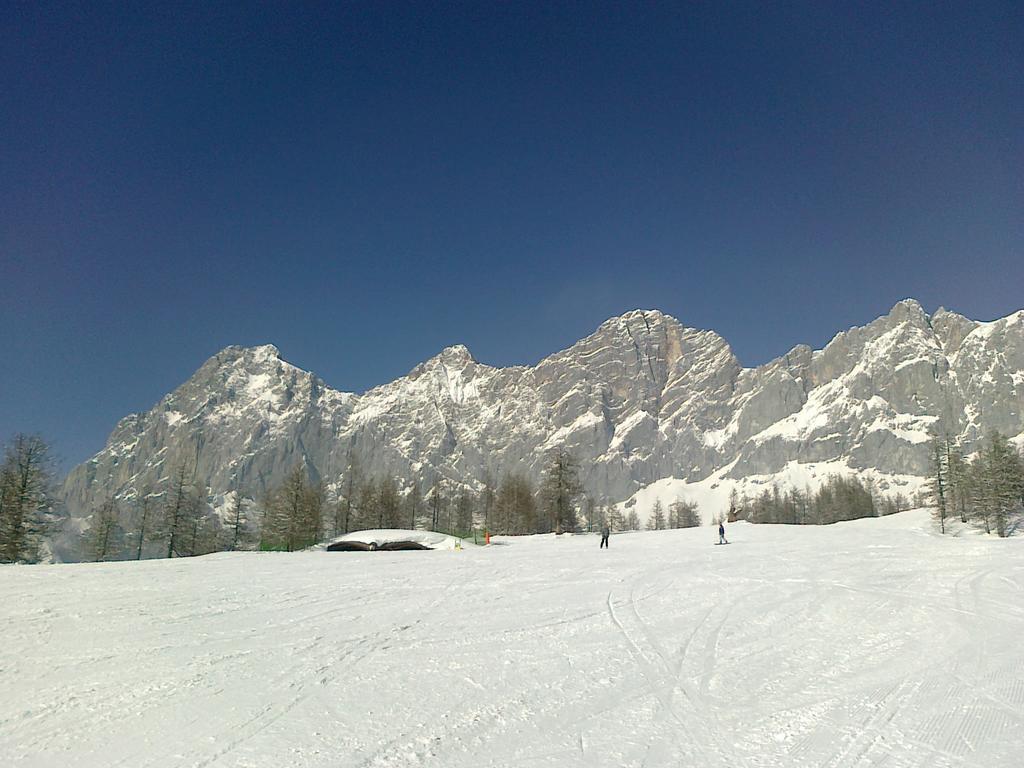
642 400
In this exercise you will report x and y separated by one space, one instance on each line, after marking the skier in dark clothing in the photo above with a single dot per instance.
605 533
721 533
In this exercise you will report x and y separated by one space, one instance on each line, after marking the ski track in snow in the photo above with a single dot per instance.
872 643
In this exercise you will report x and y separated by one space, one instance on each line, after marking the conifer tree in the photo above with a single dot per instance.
1000 483
559 491
25 498
656 522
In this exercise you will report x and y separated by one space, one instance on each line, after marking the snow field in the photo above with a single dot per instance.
865 643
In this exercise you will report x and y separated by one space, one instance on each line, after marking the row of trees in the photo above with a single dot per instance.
987 490
297 514
678 514
177 521
838 498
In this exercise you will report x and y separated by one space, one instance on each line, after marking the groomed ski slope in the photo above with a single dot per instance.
860 644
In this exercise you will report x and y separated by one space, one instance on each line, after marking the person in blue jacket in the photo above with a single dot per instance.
721 533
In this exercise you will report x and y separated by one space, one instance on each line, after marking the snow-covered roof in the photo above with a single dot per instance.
428 539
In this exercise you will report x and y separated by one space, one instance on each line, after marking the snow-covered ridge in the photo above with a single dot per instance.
642 399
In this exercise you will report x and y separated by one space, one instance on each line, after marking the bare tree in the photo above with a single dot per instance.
488 496
201 527
176 509
353 482
591 513
238 527
105 534
293 513
464 512
437 503
614 516
389 504
515 509
632 522
684 514
939 481
958 479
413 504
367 506
142 520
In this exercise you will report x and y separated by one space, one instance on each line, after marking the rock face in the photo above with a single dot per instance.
641 399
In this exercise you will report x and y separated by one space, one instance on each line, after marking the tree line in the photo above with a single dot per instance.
987 490
175 521
178 520
298 513
839 498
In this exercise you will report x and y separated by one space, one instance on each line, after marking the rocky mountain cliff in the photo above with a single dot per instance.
641 399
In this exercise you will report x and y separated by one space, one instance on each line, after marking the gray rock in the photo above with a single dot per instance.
642 398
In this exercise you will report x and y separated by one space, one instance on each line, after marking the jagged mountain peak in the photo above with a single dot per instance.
646 315
453 358
649 333
908 309
235 352
455 354
265 352
638 321
951 329
640 399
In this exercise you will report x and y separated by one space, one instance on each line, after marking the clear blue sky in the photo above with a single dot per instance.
366 185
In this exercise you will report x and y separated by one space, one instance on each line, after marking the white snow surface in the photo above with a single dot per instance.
865 643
